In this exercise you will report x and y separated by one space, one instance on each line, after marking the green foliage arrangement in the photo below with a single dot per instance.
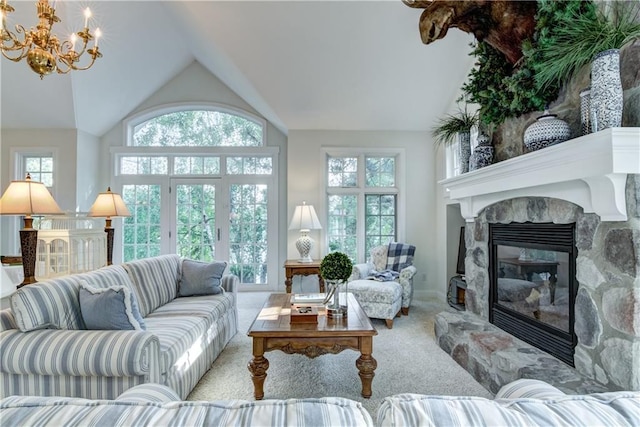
588 31
505 91
336 266
448 127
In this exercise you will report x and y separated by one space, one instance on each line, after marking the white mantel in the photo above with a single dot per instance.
590 171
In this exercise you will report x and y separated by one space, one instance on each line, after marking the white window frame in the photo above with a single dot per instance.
361 190
271 180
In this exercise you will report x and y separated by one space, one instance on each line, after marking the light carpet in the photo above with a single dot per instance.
409 361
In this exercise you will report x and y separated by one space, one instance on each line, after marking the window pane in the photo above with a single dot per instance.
343 171
380 220
144 165
196 221
248 232
141 231
342 226
249 165
40 168
197 165
380 172
197 128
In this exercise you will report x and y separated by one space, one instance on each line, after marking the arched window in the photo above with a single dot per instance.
198 128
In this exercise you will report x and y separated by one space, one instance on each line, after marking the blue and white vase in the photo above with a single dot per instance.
606 90
547 130
482 153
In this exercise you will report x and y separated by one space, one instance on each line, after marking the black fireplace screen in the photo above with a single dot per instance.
533 286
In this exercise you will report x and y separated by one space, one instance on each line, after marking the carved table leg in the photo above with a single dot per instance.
287 282
366 365
258 367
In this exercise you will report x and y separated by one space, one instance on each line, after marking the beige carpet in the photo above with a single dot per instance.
409 361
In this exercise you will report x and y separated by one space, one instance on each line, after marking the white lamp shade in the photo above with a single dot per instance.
304 218
109 205
27 198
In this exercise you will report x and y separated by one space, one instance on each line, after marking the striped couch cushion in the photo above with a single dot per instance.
155 280
151 392
529 388
54 411
54 303
615 409
177 335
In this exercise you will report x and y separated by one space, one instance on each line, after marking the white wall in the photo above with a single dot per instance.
305 182
87 165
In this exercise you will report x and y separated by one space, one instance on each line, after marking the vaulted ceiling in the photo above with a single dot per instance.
347 65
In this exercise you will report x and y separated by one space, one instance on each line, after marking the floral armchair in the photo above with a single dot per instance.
392 262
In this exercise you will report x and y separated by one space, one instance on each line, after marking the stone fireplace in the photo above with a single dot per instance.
593 184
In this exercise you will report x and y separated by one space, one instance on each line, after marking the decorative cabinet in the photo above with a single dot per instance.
70 244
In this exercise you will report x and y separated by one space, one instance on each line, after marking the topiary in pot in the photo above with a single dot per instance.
336 268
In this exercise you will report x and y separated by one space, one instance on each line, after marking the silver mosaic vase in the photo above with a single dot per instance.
585 111
606 90
464 150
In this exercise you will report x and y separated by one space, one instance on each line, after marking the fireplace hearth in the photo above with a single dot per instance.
532 284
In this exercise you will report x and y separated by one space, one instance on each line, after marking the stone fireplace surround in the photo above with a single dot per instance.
593 181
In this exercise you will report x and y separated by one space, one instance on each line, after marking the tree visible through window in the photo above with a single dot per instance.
198 128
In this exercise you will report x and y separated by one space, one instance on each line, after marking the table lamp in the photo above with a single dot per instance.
26 198
109 205
304 219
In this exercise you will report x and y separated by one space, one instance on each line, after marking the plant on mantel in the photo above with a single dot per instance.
591 31
504 91
447 128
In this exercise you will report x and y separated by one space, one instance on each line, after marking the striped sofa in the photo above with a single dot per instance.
48 351
524 402
157 405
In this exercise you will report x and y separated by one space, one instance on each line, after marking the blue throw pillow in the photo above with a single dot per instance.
112 308
201 278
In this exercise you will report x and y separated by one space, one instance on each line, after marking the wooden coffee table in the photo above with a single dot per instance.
271 330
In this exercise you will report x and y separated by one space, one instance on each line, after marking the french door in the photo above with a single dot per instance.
205 218
196 217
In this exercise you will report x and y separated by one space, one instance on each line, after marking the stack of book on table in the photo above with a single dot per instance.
309 299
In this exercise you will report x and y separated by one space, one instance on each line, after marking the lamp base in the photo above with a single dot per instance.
304 245
28 246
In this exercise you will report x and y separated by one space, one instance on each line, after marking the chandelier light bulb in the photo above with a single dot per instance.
74 38
98 35
87 15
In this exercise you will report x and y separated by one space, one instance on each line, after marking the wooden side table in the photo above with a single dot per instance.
294 267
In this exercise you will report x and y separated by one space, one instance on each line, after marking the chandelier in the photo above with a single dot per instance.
43 50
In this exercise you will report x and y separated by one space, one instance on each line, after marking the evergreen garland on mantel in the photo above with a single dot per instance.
504 91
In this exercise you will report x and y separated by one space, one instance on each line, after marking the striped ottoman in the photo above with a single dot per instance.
379 300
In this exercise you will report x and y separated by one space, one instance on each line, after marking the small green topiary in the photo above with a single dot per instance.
336 266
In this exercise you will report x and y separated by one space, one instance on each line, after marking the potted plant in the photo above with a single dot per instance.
593 35
335 269
457 125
